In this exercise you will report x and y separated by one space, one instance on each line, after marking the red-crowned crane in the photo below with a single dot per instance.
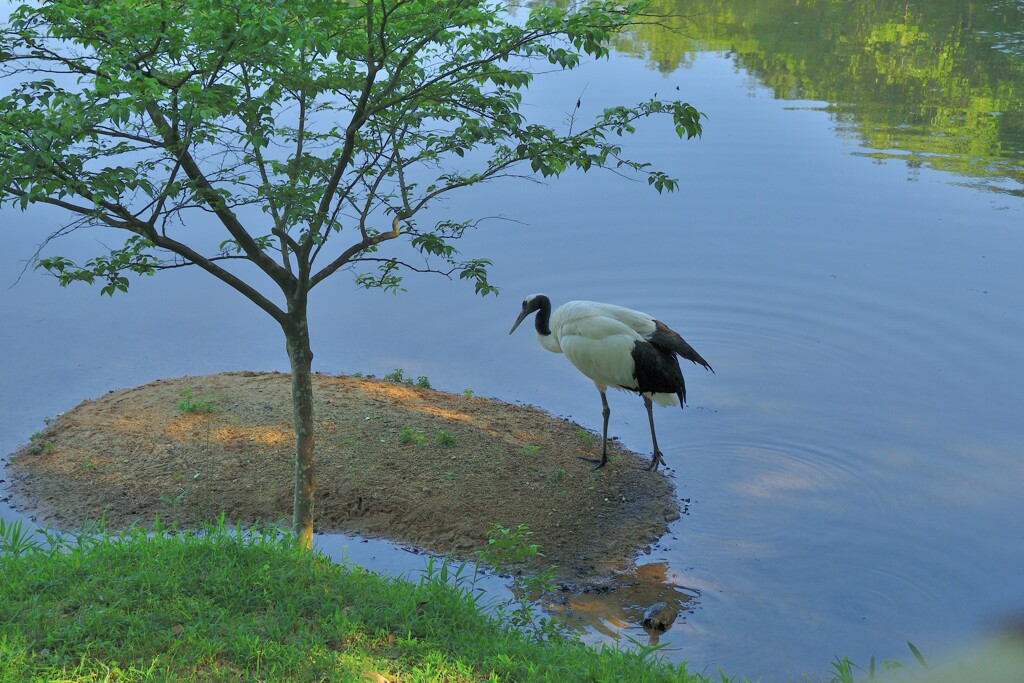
619 348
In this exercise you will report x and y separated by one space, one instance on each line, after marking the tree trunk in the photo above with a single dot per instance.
301 357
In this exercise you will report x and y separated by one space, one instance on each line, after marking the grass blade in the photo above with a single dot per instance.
917 655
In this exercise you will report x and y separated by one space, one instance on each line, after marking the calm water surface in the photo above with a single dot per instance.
846 252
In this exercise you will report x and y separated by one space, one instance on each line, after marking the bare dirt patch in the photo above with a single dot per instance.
414 465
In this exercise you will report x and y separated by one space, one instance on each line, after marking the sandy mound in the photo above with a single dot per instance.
414 465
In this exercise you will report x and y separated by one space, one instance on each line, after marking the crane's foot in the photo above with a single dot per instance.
600 462
656 460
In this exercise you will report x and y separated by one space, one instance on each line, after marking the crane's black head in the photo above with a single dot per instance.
532 304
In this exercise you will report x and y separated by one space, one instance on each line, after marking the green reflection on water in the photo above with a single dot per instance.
938 84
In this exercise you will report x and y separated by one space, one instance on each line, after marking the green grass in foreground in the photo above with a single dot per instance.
228 605
224 605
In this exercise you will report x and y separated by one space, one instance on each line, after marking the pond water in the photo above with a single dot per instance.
845 250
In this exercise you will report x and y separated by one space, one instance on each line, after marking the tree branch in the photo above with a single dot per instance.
284 279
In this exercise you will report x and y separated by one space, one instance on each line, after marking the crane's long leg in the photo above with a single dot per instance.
657 457
605 413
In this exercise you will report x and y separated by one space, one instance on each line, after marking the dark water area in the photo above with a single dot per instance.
845 249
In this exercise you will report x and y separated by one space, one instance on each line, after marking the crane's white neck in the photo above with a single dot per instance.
543 324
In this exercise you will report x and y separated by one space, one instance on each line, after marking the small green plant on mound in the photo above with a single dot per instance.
445 438
418 438
398 377
198 404
588 439
39 445
412 436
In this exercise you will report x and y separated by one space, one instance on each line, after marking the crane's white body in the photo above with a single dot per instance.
598 339
615 347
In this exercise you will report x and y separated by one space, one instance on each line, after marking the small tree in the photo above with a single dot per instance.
311 132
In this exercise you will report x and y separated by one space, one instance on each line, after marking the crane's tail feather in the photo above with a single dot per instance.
669 339
666 400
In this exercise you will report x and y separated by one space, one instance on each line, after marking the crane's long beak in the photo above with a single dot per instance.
522 316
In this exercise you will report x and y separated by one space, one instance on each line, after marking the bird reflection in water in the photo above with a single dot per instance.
608 613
